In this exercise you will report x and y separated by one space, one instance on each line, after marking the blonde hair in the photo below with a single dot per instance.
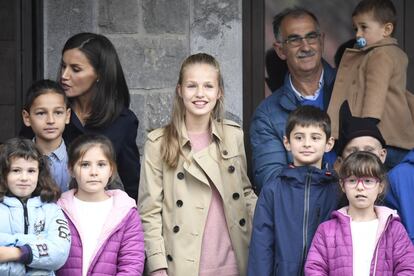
170 149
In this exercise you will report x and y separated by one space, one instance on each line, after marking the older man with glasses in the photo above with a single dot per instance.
309 81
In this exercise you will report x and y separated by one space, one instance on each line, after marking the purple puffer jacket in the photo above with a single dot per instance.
120 249
331 249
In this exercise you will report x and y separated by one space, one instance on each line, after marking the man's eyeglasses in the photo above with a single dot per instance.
367 182
296 40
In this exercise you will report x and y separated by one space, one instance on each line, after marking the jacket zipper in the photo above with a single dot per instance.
305 221
376 247
26 218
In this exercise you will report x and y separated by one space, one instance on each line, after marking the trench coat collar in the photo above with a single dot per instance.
216 130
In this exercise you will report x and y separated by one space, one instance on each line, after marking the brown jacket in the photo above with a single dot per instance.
373 80
173 203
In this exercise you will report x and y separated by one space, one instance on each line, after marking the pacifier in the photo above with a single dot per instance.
360 42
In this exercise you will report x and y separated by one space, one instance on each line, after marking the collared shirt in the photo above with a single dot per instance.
310 97
58 166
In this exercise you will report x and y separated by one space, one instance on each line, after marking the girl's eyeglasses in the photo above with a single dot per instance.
367 182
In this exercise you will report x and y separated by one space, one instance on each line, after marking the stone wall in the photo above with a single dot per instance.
152 38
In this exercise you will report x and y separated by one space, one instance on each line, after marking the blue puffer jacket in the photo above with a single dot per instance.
401 192
287 215
268 125
42 227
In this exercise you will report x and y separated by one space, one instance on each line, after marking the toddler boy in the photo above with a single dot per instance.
372 79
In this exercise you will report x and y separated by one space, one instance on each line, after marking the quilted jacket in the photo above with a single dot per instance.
331 249
120 249
39 225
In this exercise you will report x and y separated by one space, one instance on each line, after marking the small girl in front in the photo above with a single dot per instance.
107 236
362 238
34 234
195 198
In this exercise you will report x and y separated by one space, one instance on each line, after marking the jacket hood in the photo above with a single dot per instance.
319 176
385 216
122 205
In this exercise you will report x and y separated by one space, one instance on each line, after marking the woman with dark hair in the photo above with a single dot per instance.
92 77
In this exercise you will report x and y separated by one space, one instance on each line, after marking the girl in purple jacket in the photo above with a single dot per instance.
107 235
361 239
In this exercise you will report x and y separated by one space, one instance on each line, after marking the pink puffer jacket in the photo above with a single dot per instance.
121 248
331 249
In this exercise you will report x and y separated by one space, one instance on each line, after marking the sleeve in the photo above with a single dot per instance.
391 198
316 260
378 73
131 256
50 248
150 198
128 159
403 254
262 244
12 268
268 151
249 194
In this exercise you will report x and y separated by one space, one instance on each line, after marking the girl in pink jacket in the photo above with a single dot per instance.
361 239
107 235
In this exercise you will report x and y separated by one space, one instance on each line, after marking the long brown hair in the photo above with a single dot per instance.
170 149
46 187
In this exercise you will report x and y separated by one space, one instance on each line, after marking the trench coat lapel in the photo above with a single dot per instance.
204 164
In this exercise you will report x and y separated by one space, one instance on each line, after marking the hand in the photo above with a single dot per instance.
9 254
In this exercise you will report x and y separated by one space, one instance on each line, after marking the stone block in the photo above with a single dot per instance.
153 111
210 16
151 63
64 19
158 109
118 16
166 16
138 103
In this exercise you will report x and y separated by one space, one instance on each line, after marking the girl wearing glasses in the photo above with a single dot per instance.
362 238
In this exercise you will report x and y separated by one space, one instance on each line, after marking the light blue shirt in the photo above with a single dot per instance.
58 166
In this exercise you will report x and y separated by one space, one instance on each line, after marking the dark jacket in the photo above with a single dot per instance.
122 133
401 192
287 214
268 125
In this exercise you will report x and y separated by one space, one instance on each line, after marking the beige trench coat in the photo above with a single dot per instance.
173 203
373 80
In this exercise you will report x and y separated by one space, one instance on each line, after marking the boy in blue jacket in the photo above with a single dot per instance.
291 207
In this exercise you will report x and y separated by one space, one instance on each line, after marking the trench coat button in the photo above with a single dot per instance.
236 196
180 175
179 203
176 229
169 258
242 222
225 152
231 169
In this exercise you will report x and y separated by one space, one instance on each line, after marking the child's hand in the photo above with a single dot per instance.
9 254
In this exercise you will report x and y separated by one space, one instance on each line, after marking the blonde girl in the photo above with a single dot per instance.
107 237
362 238
195 199
34 234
